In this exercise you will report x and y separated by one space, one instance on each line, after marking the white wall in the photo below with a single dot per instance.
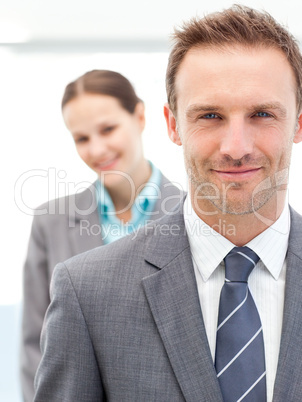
142 19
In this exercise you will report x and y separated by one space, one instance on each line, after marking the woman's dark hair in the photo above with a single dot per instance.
103 82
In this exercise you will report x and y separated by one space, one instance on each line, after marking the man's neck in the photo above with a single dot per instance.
241 228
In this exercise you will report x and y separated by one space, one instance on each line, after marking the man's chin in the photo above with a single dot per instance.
234 209
242 206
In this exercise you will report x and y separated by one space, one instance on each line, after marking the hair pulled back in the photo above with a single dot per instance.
103 82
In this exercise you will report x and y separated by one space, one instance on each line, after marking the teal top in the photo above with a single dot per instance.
113 228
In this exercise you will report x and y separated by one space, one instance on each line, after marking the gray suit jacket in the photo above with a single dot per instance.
125 324
70 226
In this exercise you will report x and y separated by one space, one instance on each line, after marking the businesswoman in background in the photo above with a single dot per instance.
106 120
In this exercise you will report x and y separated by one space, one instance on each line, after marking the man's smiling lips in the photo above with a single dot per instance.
235 174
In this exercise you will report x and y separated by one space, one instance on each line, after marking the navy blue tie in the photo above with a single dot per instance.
239 360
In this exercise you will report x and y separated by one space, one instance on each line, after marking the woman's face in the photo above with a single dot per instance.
107 136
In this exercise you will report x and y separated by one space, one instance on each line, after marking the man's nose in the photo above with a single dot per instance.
237 139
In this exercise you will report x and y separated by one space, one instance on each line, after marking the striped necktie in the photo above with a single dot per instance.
240 361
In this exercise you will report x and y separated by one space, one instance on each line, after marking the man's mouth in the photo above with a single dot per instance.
237 173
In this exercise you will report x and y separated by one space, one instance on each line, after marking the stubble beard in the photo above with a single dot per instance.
229 198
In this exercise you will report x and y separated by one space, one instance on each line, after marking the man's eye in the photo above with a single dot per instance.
262 114
209 116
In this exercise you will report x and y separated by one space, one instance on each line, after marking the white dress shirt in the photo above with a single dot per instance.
266 282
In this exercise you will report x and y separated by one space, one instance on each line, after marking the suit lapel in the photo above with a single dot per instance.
173 299
85 230
288 385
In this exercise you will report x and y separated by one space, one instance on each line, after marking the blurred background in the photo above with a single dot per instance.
43 46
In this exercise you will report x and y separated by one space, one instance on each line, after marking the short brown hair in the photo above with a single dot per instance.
237 25
103 82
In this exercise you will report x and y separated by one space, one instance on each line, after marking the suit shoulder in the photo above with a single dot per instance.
131 248
107 266
169 188
57 210
117 251
295 235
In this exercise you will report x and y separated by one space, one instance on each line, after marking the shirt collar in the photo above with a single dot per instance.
208 247
271 245
150 191
104 199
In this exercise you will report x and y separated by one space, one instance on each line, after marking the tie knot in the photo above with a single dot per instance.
239 263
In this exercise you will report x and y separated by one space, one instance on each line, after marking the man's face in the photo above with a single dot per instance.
236 119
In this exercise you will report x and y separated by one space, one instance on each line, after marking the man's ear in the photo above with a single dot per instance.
298 132
171 125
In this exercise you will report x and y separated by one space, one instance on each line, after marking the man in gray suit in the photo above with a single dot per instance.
137 320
